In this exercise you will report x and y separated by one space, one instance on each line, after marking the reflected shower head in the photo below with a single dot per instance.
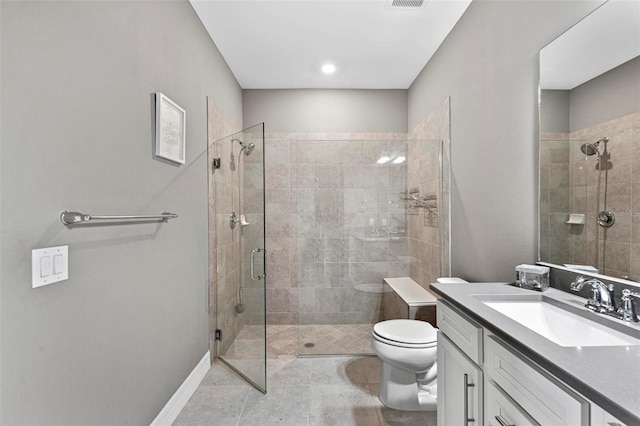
592 148
246 148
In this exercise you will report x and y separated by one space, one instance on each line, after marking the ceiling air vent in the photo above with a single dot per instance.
406 4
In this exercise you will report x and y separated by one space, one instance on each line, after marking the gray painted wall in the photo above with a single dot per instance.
114 342
611 95
554 111
319 110
489 66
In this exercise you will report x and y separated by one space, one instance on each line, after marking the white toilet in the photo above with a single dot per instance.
407 349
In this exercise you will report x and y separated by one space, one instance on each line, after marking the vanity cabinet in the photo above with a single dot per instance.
460 398
495 385
460 381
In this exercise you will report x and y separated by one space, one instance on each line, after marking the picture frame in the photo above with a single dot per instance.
170 129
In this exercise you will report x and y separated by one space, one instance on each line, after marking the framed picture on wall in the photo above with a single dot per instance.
170 129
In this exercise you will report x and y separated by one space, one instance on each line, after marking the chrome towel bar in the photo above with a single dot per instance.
72 218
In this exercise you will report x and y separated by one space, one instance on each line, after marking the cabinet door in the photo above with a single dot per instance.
500 410
459 387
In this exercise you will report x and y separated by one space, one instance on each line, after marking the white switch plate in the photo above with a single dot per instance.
49 265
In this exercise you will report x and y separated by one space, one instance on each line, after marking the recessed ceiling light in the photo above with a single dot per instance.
328 68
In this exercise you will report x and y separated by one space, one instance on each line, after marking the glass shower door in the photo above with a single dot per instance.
238 179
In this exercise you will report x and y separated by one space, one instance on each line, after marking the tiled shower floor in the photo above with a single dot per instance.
331 390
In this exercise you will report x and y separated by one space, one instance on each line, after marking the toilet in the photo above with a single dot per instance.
408 349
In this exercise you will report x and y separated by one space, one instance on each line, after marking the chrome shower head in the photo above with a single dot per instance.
592 148
589 149
246 148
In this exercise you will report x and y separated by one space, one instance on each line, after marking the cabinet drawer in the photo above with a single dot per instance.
545 400
463 332
500 410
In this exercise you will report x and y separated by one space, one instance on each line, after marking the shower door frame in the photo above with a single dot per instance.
227 320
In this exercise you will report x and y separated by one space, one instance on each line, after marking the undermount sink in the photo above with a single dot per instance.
559 325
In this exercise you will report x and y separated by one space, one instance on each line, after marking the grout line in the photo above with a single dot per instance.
243 406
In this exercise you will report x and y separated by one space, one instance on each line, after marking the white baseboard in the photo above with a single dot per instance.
179 399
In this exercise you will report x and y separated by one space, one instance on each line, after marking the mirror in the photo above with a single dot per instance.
589 201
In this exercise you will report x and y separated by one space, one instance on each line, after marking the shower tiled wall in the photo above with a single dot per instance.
556 198
428 228
335 225
224 247
569 183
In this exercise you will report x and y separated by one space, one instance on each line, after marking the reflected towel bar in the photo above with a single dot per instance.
72 218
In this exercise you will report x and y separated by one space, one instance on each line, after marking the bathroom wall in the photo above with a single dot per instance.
613 94
488 65
322 110
554 111
113 343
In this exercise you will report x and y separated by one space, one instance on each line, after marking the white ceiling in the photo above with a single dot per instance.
282 44
608 37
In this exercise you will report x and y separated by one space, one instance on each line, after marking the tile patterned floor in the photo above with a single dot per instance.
336 390
301 391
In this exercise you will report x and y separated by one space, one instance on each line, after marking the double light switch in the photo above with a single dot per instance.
49 265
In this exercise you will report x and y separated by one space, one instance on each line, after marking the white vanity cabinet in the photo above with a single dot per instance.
483 377
459 387
460 381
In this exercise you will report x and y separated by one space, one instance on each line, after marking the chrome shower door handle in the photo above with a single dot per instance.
253 275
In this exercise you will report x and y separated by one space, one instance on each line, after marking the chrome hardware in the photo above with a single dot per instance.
628 309
467 385
601 299
73 218
503 422
606 219
428 202
253 276
233 218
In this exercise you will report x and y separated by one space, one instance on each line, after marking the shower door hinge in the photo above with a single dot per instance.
216 163
218 334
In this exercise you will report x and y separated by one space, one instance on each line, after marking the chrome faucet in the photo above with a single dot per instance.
601 299
628 311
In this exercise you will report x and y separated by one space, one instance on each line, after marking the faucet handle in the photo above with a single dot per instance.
578 283
628 309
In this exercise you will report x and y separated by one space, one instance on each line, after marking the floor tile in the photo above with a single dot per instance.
289 371
282 405
342 405
214 406
338 370
222 375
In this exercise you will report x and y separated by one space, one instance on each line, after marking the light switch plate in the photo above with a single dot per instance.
49 265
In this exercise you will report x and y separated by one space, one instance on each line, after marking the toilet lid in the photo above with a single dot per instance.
406 331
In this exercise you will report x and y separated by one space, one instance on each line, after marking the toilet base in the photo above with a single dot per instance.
399 390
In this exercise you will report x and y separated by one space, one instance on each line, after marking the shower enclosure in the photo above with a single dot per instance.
342 215
237 248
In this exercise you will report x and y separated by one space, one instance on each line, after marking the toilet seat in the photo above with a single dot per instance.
406 333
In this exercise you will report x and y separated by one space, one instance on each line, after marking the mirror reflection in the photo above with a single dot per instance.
590 144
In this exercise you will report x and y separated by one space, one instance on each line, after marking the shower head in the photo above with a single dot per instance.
246 148
592 148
